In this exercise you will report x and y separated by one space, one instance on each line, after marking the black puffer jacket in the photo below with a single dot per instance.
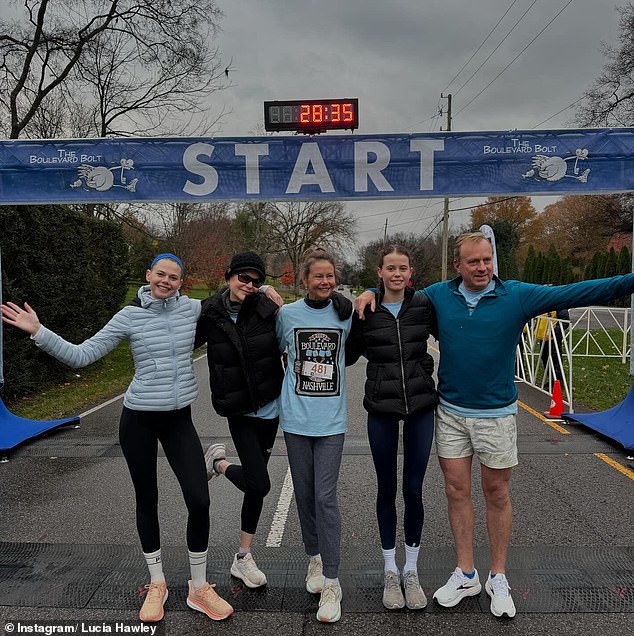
399 373
245 366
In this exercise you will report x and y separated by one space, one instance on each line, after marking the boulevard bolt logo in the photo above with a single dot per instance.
93 173
317 362
545 167
102 178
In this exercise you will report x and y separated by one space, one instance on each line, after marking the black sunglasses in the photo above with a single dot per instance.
245 278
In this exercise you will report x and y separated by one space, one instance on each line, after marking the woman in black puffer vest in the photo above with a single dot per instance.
245 376
399 387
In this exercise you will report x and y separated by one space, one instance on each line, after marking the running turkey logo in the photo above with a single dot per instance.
545 168
102 178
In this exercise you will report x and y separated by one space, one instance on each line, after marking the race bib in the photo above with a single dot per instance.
316 365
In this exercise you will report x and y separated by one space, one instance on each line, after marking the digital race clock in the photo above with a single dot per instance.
312 115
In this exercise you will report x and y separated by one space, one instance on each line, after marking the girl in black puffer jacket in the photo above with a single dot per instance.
399 386
245 376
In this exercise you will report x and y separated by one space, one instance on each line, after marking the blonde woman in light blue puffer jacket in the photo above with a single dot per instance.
160 326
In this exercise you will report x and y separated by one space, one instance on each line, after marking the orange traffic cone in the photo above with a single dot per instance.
556 402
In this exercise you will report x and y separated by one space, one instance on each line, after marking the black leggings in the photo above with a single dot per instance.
254 438
139 434
383 433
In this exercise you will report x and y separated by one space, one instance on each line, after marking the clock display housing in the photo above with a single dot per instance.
311 115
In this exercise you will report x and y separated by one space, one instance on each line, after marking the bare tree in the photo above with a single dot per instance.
127 64
424 255
295 226
610 100
253 227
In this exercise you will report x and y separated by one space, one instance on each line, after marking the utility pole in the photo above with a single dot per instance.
445 218
385 233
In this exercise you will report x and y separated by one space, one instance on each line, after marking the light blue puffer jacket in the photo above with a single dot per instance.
161 336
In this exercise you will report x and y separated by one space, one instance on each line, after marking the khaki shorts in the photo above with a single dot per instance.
492 439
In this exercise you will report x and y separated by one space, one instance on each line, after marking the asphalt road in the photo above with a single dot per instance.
67 511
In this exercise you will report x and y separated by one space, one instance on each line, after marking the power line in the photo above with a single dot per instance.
559 112
496 48
515 58
481 205
481 45
430 118
368 216
469 207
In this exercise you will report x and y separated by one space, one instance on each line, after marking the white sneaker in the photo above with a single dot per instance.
214 452
246 570
415 598
330 604
315 576
457 587
497 587
392 593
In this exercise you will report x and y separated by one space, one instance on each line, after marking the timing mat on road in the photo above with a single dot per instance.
546 579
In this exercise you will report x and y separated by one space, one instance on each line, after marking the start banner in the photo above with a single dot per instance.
546 162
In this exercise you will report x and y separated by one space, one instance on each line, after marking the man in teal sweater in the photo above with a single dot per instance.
480 320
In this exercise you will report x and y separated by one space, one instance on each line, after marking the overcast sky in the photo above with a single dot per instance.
398 56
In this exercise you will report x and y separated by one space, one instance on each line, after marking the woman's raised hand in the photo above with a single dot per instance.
25 319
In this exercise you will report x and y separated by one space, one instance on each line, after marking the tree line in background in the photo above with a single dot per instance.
205 236
575 238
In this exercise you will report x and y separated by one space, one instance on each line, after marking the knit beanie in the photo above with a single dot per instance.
244 261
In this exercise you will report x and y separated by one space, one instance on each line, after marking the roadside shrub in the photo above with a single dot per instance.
71 268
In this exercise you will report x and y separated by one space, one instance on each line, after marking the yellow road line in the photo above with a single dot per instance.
608 460
539 416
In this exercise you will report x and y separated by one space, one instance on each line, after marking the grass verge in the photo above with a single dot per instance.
600 382
84 388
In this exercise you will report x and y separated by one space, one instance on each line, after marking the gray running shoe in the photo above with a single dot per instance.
415 598
392 593
315 576
214 452
330 604
246 570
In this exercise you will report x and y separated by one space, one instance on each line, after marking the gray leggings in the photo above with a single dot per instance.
314 463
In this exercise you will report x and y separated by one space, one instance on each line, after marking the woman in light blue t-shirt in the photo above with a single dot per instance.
313 332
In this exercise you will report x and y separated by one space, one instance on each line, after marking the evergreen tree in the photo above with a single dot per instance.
591 269
624 264
601 263
553 266
610 264
72 269
538 276
567 274
528 272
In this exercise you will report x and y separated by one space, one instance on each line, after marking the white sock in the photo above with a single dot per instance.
331 581
198 568
389 557
155 566
315 557
411 558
